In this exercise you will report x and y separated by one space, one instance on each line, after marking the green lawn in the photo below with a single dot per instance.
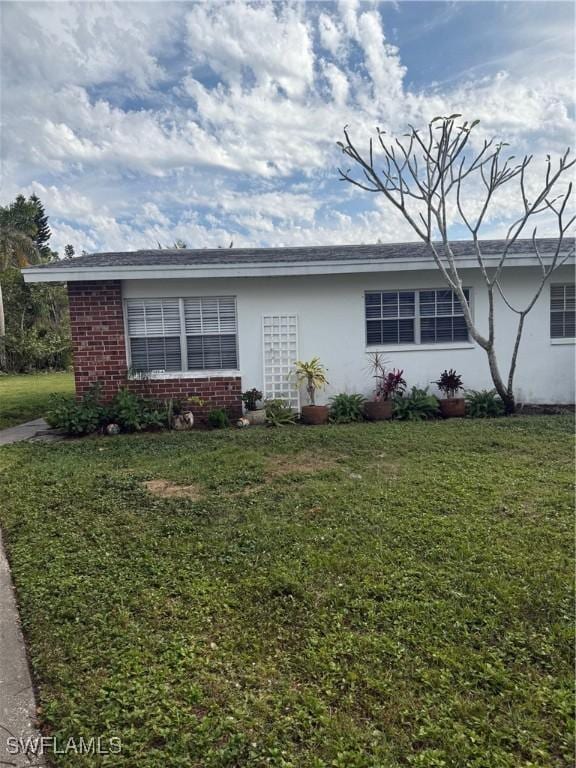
362 596
24 397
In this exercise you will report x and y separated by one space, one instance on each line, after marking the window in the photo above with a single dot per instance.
193 334
154 331
210 333
414 317
562 312
390 317
441 317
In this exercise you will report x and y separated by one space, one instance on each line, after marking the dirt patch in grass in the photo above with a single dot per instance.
168 490
280 466
299 463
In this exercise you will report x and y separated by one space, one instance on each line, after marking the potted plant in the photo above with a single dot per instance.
181 416
255 412
313 375
450 383
388 384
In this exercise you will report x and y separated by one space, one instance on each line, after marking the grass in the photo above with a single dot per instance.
25 397
363 596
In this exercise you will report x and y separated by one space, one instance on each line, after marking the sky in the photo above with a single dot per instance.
139 123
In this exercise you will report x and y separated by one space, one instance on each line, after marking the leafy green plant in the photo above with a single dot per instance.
278 413
134 413
449 383
218 418
418 405
75 417
345 408
251 398
312 374
483 403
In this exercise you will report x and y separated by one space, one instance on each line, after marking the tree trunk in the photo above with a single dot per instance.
506 395
2 333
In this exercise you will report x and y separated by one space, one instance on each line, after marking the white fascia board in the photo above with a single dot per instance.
277 269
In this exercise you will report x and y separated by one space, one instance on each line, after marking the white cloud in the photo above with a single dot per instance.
269 41
146 122
331 35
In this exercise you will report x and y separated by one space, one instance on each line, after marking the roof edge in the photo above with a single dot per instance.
61 274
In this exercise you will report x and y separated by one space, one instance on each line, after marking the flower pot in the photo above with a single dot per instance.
256 417
453 407
378 410
314 414
183 421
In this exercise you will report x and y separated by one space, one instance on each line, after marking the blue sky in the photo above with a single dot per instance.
139 123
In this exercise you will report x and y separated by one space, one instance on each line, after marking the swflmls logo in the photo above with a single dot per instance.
41 745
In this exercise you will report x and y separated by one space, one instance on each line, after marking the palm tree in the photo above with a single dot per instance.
17 249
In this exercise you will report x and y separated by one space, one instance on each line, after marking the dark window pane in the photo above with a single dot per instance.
390 304
156 354
374 332
406 331
407 303
212 352
443 329
428 330
460 329
390 331
427 308
437 330
374 310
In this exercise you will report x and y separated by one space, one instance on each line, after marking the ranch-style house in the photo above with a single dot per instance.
211 323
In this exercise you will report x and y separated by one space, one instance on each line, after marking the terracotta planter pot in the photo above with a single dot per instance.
453 407
314 414
256 417
378 410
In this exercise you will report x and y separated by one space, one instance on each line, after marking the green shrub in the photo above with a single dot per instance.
483 403
134 413
345 408
218 418
78 417
37 349
278 413
416 406
37 326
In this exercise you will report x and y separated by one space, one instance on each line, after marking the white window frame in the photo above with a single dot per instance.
404 346
184 373
558 339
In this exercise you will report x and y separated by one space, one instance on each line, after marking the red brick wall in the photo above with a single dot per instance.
99 349
97 327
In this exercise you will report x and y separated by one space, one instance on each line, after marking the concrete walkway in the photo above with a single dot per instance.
36 430
17 702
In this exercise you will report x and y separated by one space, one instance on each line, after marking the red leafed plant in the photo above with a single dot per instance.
392 383
388 383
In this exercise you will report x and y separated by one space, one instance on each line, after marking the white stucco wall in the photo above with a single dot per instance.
330 310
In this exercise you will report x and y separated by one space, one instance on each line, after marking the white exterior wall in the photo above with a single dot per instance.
330 310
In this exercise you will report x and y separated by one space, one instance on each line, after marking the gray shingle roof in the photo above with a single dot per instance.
298 255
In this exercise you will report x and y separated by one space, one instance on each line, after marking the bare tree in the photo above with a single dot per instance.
423 177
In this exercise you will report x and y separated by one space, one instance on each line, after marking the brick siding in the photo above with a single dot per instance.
99 350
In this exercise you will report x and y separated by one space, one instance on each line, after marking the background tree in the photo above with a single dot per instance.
43 233
17 248
34 329
424 176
